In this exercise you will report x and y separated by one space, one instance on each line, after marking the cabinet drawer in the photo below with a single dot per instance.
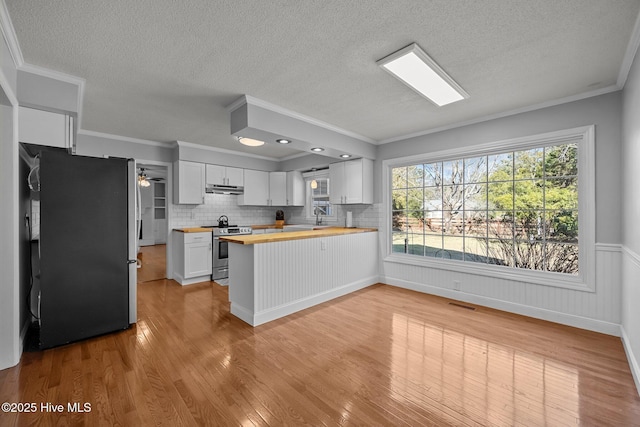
197 238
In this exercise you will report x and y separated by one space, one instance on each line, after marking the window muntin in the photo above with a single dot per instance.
318 198
516 208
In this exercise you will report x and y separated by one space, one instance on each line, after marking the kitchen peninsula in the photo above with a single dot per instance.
274 275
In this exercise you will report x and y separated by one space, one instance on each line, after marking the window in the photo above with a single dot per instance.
511 205
318 188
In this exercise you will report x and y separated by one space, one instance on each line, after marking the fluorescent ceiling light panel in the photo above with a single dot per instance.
417 70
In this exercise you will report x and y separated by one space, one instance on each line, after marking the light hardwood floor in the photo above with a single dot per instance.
380 356
153 261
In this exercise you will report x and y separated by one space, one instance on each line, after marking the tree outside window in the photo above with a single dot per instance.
517 209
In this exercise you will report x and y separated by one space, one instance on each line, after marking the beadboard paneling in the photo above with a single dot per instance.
599 311
310 269
271 280
630 311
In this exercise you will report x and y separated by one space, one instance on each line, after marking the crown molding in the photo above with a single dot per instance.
9 33
223 150
629 55
124 138
546 104
247 99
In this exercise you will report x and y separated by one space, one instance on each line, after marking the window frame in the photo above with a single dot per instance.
583 281
308 177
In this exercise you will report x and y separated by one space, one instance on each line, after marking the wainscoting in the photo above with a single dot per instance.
598 311
630 325
272 280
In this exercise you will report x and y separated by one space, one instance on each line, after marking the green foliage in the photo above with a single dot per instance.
534 192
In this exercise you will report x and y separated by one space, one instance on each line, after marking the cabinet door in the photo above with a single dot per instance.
197 259
43 128
235 177
352 182
336 182
295 189
256 188
215 175
191 178
278 188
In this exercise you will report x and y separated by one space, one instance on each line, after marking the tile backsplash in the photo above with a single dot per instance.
222 204
216 205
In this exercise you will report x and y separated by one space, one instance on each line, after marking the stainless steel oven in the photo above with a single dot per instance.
221 249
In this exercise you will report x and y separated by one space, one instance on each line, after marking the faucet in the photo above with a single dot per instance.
318 219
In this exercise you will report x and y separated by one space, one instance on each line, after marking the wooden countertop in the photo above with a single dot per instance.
265 226
295 235
193 230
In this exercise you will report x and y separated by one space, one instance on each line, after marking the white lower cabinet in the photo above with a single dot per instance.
193 257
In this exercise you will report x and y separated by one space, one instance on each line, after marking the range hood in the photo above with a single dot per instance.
223 189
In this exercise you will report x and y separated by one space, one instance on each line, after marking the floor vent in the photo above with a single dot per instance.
463 306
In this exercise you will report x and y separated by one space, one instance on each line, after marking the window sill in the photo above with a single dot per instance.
556 280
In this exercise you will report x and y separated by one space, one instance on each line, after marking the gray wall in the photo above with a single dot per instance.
10 346
602 111
631 216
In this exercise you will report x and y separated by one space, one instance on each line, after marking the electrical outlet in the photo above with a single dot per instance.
456 285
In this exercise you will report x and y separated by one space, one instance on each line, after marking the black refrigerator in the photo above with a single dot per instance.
86 242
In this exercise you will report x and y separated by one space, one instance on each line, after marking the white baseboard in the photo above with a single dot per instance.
242 313
192 280
283 310
633 362
525 310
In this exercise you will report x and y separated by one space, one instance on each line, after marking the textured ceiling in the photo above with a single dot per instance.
165 70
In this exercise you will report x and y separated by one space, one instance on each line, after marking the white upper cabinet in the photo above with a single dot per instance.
256 188
223 175
351 182
295 189
45 128
277 188
189 188
235 177
264 188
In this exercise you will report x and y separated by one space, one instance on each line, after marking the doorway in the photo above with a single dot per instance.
152 227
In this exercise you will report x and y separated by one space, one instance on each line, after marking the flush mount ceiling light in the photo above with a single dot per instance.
283 141
412 66
250 142
317 149
345 156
